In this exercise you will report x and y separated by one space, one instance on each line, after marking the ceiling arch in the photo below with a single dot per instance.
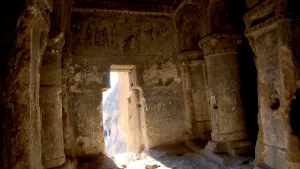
190 28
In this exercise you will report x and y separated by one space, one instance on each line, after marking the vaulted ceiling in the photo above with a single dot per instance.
126 5
87 3
162 2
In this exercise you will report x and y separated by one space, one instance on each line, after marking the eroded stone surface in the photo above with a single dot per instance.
276 86
51 106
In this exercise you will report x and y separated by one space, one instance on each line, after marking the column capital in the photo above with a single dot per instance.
191 55
193 62
55 43
266 15
220 44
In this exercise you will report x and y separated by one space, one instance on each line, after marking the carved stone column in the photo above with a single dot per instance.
274 42
51 105
32 27
228 124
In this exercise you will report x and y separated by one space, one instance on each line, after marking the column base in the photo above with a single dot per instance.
52 163
224 153
234 148
239 135
69 164
202 130
273 157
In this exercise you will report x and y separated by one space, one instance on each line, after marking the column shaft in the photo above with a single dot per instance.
228 124
25 122
272 42
51 108
224 87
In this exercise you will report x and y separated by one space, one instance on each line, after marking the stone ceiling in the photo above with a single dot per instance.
86 3
153 6
162 2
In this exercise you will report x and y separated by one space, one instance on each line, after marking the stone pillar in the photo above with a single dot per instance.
24 96
272 41
228 124
188 100
51 106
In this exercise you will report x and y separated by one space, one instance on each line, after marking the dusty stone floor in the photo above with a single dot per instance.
167 157
101 163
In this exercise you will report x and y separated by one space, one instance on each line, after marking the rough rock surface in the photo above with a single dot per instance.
236 99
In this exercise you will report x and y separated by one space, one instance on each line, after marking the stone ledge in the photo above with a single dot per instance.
220 44
191 54
95 10
260 11
268 24
234 148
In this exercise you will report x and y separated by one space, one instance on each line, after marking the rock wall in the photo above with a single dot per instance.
22 119
149 42
123 36
163 106
85 107
10 12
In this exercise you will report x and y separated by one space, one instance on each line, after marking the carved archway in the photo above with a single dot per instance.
190 28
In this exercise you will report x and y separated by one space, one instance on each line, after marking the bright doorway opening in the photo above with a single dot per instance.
117 122
114 139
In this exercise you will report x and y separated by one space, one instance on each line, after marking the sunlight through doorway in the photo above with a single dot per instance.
114 140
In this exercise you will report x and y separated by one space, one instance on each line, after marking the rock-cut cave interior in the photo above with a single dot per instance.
150 84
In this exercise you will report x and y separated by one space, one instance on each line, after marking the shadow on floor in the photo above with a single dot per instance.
98 163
